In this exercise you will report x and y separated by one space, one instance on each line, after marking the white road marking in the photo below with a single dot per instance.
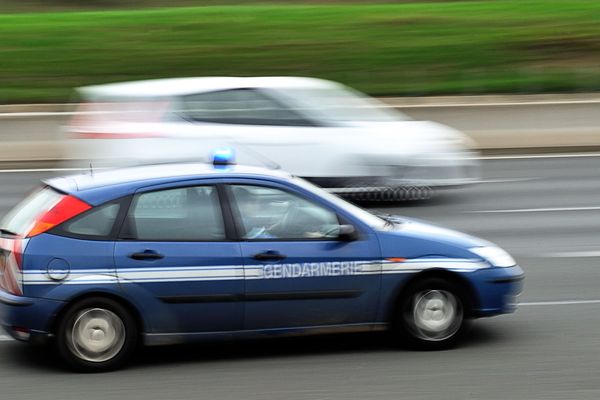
495 104
558 303
5 338
572 254
510 180
533 156
534 210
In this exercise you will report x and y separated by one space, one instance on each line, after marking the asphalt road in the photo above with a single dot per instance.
545 211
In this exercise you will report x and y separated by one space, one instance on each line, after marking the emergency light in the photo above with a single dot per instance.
224 156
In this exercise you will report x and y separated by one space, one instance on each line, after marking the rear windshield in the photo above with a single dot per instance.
20 218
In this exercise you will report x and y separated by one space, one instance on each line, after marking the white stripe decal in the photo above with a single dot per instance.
534 156
573 254
267 271
534 210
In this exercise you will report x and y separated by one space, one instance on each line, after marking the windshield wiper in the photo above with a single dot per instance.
390 219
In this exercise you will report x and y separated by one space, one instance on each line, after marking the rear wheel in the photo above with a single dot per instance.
96 334
431 314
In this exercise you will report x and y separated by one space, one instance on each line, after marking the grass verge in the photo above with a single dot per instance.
415 48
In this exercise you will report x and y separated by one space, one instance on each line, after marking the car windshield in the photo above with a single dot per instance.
372 220
339 104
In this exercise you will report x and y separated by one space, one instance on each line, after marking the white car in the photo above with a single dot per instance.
317 129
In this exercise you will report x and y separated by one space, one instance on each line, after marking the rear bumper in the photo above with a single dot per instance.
497 290
27 318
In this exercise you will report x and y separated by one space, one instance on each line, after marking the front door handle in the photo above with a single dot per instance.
269 255
146 255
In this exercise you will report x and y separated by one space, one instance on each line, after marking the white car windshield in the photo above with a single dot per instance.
339 104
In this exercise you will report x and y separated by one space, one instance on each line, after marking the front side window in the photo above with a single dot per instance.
269 213
236 106
340 104
182 214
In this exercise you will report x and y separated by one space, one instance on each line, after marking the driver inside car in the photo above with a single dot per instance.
255 225
267 217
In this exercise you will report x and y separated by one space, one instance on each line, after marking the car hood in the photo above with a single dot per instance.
411 238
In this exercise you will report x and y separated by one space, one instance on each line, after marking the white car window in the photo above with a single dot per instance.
237 106
341 104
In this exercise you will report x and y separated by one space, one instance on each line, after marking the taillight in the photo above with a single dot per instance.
11 265
118 119
63 210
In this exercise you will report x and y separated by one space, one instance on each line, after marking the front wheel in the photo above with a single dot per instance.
96 334
431 314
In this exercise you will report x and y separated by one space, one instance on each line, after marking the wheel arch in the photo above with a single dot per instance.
467 290
129 306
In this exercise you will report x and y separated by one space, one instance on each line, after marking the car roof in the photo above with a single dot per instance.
183 86
96 187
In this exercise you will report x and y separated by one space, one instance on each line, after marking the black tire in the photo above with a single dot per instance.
431 315
96 334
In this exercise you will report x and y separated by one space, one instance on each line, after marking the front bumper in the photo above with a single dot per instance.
496 290
27 318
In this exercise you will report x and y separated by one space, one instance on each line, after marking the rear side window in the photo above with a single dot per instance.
96 223
21 218
182 214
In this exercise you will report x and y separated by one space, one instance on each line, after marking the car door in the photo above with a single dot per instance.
297 271
175 252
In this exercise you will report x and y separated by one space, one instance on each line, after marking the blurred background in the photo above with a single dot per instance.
420 48
426 58
497 99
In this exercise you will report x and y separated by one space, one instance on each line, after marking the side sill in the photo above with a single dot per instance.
160 339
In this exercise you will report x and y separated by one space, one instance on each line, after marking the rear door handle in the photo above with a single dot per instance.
269 255
146 255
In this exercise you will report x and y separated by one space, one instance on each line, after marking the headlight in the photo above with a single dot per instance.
495 256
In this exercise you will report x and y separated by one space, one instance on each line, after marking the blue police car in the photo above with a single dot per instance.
173 253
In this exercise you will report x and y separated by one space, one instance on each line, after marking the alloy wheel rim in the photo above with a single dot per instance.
97 335
436 315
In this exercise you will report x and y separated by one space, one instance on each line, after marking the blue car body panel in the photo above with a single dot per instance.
319 283
207 289
196 287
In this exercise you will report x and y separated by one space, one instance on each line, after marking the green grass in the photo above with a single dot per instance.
385 49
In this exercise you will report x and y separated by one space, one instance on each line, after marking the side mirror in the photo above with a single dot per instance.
347 233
